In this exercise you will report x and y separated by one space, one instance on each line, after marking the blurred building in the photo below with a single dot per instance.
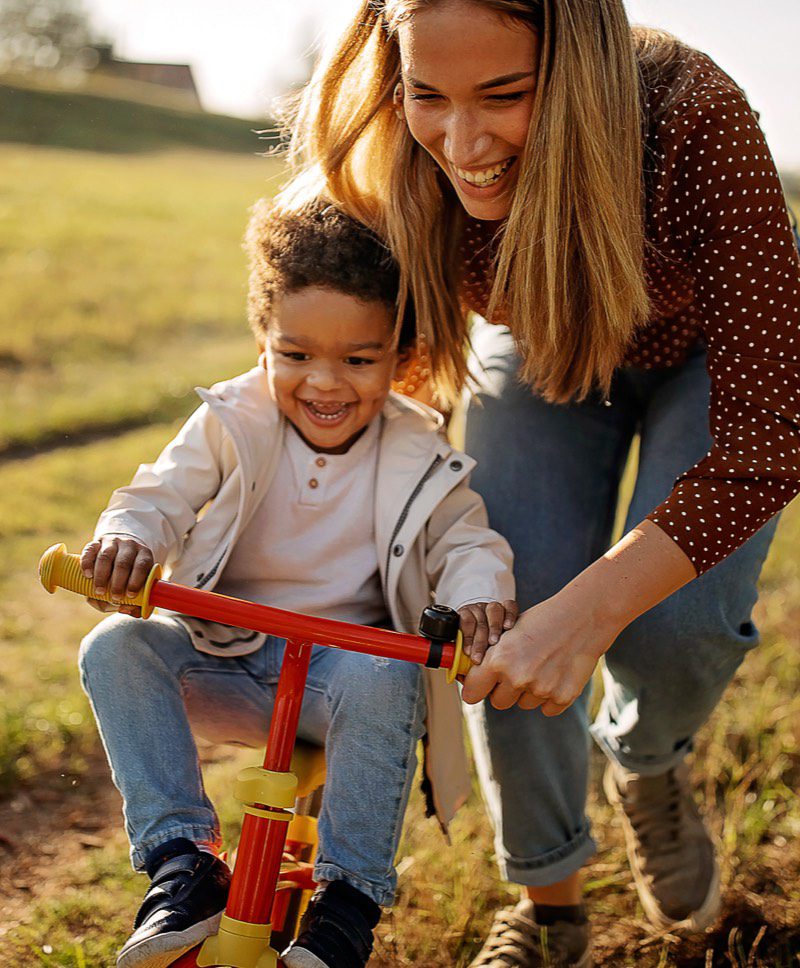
176 80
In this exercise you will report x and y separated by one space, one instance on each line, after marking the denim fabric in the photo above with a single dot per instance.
550 476
150 688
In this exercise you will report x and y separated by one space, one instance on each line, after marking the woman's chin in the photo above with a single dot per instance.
492 209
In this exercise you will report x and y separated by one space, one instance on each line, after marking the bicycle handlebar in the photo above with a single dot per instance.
59 569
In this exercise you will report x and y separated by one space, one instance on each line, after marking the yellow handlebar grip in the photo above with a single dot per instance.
58 569
461 662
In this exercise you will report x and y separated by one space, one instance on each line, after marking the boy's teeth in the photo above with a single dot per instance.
487 175
327 411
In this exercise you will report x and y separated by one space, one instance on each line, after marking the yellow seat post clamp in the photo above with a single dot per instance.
239 944
259 788
284 816
58 569
461 662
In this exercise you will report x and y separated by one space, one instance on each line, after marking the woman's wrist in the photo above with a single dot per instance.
641 570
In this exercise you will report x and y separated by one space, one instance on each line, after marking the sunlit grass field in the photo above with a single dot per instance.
122 285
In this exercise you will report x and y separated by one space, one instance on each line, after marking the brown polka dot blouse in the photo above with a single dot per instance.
722 267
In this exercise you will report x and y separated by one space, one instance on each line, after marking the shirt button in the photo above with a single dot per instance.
398 550
313 482
320 462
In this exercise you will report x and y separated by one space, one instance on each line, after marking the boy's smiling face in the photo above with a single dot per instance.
330 359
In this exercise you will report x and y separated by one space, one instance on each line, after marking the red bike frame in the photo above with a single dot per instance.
243 939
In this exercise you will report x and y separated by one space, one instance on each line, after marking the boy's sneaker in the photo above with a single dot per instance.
669 848
516 940
182 907
335 931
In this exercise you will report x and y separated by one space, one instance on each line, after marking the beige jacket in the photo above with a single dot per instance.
433 539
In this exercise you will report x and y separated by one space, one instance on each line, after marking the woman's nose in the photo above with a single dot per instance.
466 142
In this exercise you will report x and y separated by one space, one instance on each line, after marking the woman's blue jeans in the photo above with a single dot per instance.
149 687
550 477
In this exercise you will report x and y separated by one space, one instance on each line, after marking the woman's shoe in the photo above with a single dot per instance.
517 941
669 848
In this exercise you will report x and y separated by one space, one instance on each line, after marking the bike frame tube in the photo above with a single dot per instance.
255 874
258 860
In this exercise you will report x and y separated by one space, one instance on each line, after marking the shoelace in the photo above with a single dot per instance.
512 937
657 820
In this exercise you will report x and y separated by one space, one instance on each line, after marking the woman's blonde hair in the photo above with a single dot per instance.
569 271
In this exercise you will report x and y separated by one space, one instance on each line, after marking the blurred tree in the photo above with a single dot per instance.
45 35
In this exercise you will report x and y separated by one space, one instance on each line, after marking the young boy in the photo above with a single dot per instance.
305 484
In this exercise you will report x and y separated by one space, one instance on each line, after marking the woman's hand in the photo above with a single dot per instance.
120 564
482 624
544 661
549 656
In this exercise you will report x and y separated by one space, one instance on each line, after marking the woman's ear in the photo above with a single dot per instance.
397 100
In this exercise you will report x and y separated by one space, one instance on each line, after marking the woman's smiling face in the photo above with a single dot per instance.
469 78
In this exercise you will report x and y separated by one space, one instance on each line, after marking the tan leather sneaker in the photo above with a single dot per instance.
669 848
517 941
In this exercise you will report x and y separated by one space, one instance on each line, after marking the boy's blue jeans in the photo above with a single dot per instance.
550 476
149 688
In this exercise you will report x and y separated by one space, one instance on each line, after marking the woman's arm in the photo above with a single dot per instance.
550 654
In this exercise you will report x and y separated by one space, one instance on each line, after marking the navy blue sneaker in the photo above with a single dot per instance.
182 907
335 931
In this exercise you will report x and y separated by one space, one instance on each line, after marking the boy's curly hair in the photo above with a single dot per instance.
317 246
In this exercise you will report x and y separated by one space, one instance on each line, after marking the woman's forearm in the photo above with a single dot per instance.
642 569
548 657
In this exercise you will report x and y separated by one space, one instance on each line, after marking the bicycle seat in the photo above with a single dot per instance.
308 765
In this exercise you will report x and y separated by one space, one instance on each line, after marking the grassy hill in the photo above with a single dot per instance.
90 121
117 257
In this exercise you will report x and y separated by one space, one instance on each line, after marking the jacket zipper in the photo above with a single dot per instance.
402 520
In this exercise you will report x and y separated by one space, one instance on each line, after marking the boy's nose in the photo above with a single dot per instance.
324 377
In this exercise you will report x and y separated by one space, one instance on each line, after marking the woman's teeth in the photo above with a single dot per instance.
327 411
487 176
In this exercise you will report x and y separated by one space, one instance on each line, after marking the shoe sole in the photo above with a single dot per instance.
698 920
162 949
300 958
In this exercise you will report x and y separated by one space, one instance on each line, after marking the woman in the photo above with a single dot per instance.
607 194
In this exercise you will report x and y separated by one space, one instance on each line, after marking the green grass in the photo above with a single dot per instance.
115 264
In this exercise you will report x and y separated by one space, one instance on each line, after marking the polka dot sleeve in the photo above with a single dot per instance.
725 208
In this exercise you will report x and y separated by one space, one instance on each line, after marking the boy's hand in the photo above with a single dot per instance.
482 624
118 565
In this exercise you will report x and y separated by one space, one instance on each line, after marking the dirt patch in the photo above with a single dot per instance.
46 829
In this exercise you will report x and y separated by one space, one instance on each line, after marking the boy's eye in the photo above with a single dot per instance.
295 355
358 360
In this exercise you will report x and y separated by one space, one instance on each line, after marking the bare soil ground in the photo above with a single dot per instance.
53 827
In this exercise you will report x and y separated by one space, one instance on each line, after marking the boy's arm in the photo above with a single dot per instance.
161 503
470 566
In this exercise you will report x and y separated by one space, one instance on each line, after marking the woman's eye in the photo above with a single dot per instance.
514 96
424 97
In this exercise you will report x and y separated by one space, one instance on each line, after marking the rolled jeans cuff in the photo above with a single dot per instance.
382 895
552 866
197 834
644 765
